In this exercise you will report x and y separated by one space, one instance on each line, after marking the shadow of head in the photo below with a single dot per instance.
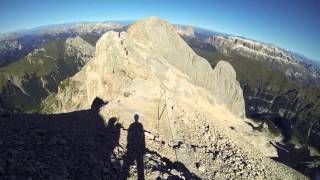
98 103
136 117
114 123
112 120
75 137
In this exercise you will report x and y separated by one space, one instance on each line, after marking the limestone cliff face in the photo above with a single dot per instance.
146 44
249 47
273 57
226 88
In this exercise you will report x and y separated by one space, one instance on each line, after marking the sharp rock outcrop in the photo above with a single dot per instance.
146 44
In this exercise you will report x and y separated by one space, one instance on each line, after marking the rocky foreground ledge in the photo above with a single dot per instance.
81 145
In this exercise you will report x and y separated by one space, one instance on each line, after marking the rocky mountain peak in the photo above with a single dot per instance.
76 41
152 41
226 88
79 48
151 76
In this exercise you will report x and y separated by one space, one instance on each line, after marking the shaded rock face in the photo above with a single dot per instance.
11 48
154 81
290 110
28 81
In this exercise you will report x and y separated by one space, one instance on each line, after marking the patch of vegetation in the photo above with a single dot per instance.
36 76
41 62
259 80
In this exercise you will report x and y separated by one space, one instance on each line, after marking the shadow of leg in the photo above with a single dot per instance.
127 162
140 167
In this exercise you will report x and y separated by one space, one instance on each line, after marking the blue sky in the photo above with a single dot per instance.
291 24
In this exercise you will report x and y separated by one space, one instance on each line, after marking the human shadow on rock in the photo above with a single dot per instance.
78 145
165 166
150 160
75 145
135 148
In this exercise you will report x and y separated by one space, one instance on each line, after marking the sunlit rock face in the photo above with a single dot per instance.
153 45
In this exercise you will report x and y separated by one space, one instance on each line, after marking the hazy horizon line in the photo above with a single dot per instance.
48 26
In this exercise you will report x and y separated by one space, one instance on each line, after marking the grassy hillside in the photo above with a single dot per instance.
42 62
26 82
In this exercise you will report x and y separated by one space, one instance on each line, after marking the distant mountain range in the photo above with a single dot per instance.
14 46
71 25
23 41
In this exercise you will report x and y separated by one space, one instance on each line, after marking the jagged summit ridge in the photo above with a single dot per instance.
153 38
180 55
164 39
274 57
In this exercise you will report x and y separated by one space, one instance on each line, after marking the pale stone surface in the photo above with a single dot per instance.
149 44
